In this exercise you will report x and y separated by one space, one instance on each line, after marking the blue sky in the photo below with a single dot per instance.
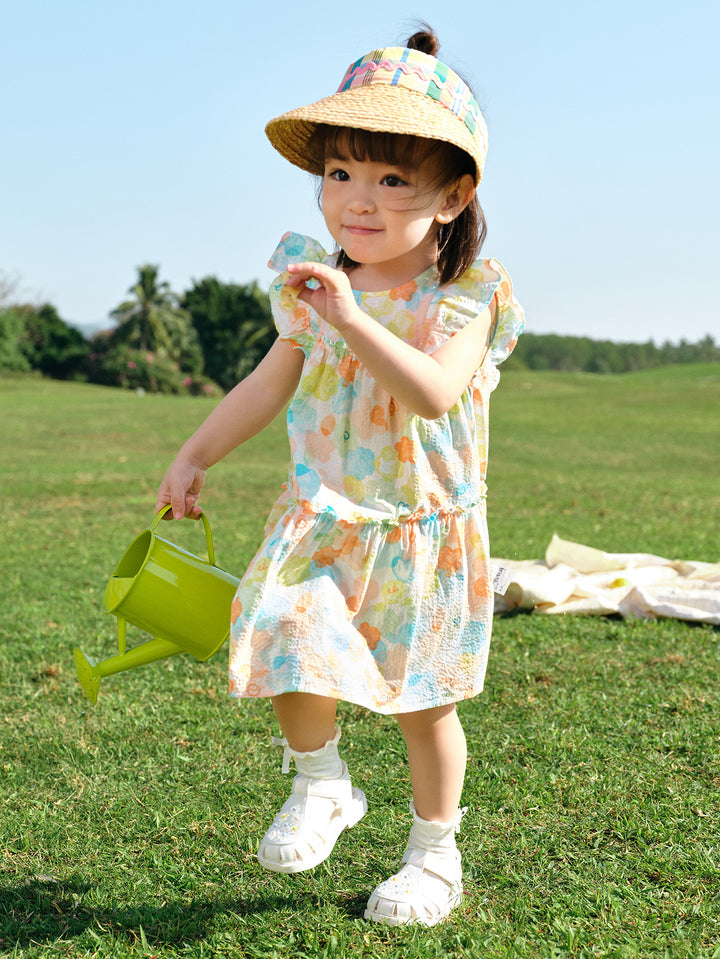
133 132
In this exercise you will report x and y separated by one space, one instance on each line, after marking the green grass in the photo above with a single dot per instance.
129 828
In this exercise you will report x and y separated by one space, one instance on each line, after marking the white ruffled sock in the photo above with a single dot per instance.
434 836
322 763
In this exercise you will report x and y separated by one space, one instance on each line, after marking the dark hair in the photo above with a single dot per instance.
459 242
425 40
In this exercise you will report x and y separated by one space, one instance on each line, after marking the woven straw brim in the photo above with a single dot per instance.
380 108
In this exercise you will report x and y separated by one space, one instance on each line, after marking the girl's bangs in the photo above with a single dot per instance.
395 149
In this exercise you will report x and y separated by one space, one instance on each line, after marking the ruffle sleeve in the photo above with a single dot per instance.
465 298
294 320
509 319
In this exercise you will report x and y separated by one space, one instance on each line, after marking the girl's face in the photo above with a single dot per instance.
384 217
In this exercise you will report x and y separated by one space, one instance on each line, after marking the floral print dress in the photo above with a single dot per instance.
373 583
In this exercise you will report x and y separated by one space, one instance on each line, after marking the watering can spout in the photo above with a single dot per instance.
182 600
91 673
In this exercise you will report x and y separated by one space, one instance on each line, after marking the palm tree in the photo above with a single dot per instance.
154 320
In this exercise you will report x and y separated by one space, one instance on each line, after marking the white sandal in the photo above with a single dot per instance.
307 827
429 885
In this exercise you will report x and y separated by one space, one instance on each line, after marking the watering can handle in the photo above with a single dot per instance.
206 524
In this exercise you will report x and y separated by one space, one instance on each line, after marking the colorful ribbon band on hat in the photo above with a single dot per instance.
414 70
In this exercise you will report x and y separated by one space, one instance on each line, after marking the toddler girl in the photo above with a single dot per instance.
373 583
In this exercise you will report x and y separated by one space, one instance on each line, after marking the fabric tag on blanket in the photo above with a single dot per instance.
501 579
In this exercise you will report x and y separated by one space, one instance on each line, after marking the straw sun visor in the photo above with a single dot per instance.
379 109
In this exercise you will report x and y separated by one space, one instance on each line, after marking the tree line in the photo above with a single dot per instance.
203 341
580 354
200 342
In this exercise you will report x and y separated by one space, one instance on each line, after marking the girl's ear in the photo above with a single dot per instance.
457 199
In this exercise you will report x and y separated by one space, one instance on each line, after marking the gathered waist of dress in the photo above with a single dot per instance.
352 514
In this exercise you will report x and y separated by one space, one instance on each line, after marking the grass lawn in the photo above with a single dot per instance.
129 828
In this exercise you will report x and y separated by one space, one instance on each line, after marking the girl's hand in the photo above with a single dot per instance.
333 297
180 488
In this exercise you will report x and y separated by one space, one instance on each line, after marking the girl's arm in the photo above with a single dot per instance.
245 411
429 385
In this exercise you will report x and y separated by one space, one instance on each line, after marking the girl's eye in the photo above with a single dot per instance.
392 179
341 175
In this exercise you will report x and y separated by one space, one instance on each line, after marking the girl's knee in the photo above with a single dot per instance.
426 719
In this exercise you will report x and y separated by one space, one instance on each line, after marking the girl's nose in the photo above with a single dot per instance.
361 201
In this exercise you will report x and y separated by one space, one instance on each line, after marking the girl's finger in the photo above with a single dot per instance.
327 275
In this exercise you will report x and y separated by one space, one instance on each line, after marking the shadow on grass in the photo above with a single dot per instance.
45 910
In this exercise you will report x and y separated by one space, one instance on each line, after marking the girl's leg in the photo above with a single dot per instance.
429 884
307 721
323 801
437 755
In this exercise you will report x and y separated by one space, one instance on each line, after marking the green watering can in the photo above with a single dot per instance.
183 601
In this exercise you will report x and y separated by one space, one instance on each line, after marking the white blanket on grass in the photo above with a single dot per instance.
580 579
